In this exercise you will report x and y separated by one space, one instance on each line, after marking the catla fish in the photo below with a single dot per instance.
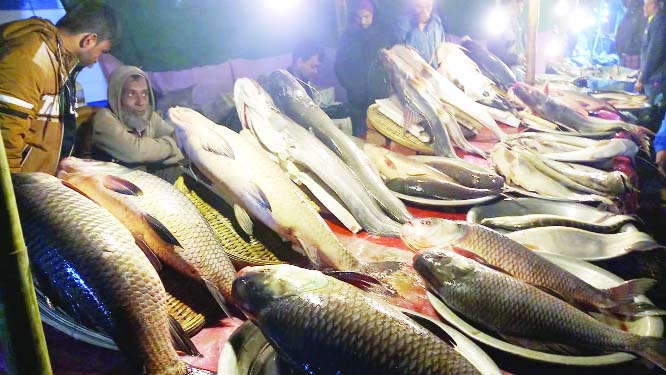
159 216
241 169
325 326
523 313
517 260
88 260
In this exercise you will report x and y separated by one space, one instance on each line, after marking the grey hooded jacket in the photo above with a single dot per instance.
111 135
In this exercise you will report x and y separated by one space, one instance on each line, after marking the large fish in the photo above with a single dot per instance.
457 67
159 217
292 100
553 110
523 313
88 260
242 170
490 65
327 327
466 110
517 260
290 142
411 89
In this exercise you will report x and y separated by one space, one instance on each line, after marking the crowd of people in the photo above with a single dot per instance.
39 61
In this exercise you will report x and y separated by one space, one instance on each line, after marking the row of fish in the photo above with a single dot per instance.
438 178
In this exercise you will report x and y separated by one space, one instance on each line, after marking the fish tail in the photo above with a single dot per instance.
634 309
654 350
180 339
191 370
219 298
625 292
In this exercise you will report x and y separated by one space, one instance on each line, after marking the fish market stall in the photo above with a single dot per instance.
483 226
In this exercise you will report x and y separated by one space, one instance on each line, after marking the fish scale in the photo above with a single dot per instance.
200 255
339 329
93 265
519 310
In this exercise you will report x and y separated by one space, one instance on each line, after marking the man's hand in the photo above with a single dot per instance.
639 87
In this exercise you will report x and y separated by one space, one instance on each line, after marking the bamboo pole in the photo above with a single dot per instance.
24 345
532 29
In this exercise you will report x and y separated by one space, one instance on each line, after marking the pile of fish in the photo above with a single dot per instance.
89 263
552 179
490 65
298 151
425 93
439 178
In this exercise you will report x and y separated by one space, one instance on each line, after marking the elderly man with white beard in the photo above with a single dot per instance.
130 132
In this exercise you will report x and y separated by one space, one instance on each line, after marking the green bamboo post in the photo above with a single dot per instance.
23 342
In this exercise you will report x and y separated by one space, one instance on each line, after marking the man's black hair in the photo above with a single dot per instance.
306 49
92 16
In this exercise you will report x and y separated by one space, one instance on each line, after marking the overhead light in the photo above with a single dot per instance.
497 21
562 8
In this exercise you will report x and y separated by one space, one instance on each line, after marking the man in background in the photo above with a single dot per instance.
421 28
36 98
652 77
509 44
130 132
630 34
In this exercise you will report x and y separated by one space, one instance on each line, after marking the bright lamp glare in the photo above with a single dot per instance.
497 21
580 21
554 48
282 6
562 8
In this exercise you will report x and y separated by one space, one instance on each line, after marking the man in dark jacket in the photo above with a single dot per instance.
652 79
630 34
357 49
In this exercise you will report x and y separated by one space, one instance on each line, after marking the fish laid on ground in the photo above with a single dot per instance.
86 258
161 219
521 172
581 244
610 224
466 173
552 109
325 326
291 143
588 102
292 100
457 67
525 314
411 177
490 65
468 112
524 264
243 171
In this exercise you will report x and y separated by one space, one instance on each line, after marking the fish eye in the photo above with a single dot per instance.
427 222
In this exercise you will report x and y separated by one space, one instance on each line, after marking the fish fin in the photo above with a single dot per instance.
243 219
430 325
383 267
311 253
198 176
219 298
161 230
150 254
180 339
359 280
478 259
215 144
654 350
542 346
625 292
121 186
633 309
73 187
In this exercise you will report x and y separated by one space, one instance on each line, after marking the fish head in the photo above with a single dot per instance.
257 287
530 95
103 182
282 84
425 233
442 266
